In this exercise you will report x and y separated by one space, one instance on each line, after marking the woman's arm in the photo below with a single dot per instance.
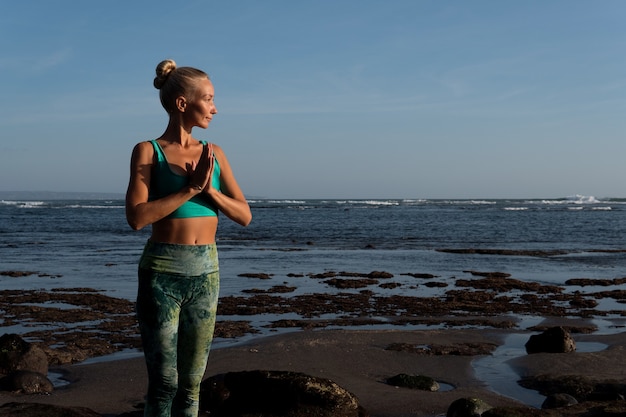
230 200
139 211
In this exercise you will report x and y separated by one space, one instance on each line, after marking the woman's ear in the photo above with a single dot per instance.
181 103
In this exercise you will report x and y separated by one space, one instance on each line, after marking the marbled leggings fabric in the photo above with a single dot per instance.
176 308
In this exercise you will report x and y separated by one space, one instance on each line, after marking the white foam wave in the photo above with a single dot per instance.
23 204
581 199
574 199
90 206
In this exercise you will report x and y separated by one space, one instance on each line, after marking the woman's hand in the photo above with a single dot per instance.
200 172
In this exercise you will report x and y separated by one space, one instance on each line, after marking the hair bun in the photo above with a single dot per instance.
163 71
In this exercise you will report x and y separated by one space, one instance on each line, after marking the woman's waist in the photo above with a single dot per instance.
179 259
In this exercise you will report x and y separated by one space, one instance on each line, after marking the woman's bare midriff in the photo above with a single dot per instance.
190 231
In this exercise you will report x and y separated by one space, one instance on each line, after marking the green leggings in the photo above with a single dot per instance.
176 308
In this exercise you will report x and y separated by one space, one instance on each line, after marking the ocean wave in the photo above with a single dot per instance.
24 204
269 201
91 206
574 199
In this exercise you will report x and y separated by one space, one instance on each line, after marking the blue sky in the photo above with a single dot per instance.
326 98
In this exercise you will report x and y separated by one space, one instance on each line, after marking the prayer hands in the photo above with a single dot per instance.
201 172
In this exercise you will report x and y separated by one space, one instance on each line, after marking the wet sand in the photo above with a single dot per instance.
357 360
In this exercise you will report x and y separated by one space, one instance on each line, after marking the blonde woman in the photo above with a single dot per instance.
178 185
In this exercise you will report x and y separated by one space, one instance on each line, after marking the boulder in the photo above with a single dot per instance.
276 393
421 382
558 401
467 407
553 340
26 382
18 355
47 410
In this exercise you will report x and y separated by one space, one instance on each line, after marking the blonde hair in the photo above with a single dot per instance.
173 82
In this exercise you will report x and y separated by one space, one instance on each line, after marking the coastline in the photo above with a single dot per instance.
357 360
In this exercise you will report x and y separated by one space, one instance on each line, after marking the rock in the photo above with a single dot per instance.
276 393
553 340
558 401
26 382
421 382
586 409
47 410
577 386
19 355
467 407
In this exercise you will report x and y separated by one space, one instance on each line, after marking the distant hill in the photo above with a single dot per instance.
57 195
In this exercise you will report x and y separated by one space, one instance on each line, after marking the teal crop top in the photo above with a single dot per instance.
164 181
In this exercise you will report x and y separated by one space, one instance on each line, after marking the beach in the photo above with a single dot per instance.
356 360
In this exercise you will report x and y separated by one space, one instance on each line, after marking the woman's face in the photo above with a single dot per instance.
201 109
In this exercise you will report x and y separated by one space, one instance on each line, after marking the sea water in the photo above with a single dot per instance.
87 242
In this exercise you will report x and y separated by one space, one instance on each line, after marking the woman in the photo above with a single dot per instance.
178 184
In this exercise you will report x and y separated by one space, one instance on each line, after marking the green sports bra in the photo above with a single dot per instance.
164 181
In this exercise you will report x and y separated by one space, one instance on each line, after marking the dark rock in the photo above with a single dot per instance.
506 252
351 283
558 401
421 275
553 340
580 387
41 410
467 407
380 274
18 274
26 382
390 285
276 393
18 355
254 275
421 382
436 284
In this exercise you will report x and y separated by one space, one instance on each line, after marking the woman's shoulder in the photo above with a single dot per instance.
217 149
144 149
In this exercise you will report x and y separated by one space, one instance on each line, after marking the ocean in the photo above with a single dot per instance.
86 243
73 243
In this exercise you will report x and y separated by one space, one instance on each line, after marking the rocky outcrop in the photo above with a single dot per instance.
421 382
16 354
23 366
558 401
276 393
553 340
467 407
26 382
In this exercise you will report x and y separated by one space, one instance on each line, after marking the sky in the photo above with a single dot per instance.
356 99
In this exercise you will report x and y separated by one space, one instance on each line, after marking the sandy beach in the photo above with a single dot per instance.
356 360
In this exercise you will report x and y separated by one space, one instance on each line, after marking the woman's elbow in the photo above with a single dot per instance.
133 220
134 224
244 217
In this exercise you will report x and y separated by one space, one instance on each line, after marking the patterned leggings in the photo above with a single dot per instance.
176 308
